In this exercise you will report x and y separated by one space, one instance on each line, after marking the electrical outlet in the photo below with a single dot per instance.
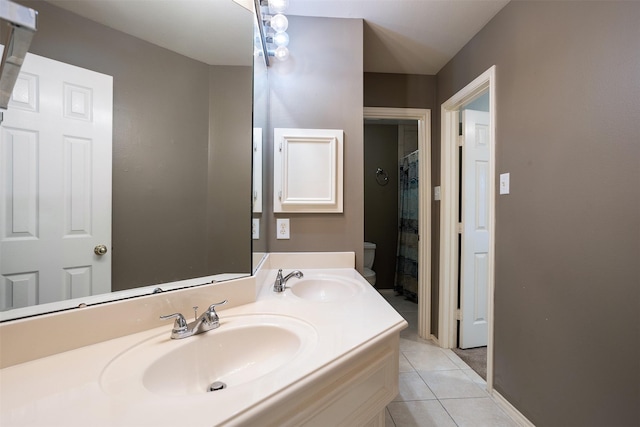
255 228
282 228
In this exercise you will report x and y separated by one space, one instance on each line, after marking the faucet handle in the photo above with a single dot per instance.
210 317
180 324
215 304
278 284
212 307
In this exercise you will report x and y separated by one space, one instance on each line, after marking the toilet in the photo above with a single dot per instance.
369 256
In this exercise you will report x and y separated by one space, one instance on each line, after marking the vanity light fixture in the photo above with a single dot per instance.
277 6
275 24
21 26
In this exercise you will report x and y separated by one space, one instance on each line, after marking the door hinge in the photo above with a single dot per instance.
461 141
460 228
280 147
280 195
458 314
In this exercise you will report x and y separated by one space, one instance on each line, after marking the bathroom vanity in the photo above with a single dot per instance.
322 352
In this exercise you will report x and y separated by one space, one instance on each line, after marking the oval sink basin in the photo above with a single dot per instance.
325 288
242 349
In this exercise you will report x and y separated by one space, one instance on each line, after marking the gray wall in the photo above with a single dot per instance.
567 296
381 202
160 146
229 211
320 86
399 90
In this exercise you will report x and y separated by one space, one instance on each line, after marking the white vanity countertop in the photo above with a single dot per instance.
66 390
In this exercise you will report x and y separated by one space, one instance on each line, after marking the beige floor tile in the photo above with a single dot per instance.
405 366
429 359
476 412
412 387
416 344
475 378
411 317
401 304
410 334
451 384
455 359
429 413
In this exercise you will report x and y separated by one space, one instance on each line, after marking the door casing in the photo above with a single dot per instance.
448 295
423 117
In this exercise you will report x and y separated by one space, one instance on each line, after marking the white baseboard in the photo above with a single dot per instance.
510 410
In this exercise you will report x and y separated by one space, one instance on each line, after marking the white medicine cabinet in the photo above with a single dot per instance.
308 170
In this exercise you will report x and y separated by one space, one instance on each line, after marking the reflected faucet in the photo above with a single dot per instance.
279 284
207 321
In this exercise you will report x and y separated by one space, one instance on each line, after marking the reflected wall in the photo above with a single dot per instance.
164 215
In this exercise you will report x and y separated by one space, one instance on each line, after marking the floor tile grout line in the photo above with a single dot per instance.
436 398
390 416
448 413
415 400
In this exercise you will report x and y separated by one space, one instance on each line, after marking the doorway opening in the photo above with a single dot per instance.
407 119
467 219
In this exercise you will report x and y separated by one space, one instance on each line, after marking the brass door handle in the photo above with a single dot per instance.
100 250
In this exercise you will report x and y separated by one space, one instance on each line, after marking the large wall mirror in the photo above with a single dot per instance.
180 173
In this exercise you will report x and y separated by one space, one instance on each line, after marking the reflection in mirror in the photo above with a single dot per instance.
181 153
260 123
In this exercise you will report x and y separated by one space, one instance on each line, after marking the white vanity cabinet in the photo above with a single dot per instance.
349 392
308 169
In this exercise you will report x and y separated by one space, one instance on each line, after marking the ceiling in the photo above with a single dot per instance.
408 36
206 30
400 36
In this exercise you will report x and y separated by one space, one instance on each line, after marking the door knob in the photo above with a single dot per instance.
100 250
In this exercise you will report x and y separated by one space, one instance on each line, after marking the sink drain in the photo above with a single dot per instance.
215 386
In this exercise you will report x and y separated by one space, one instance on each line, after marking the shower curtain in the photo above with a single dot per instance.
406 281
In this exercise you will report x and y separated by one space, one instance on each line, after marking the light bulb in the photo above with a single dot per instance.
281 53
279 23
281 39
278 6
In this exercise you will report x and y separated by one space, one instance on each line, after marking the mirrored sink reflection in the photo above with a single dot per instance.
242 349
325 288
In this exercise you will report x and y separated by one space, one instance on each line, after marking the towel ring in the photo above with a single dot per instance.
381 177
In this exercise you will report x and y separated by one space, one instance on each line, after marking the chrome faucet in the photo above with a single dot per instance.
207 321
279 284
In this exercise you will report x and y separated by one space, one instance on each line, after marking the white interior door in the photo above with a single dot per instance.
474 273
55 185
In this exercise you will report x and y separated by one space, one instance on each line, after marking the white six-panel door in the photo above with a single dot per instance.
55 185
474 274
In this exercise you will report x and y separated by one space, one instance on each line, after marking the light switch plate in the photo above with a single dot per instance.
436 193
255 228
504 183
282 228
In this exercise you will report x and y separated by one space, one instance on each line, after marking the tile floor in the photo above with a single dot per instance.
437 389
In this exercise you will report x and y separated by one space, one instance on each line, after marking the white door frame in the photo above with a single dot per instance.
423 117
449 212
